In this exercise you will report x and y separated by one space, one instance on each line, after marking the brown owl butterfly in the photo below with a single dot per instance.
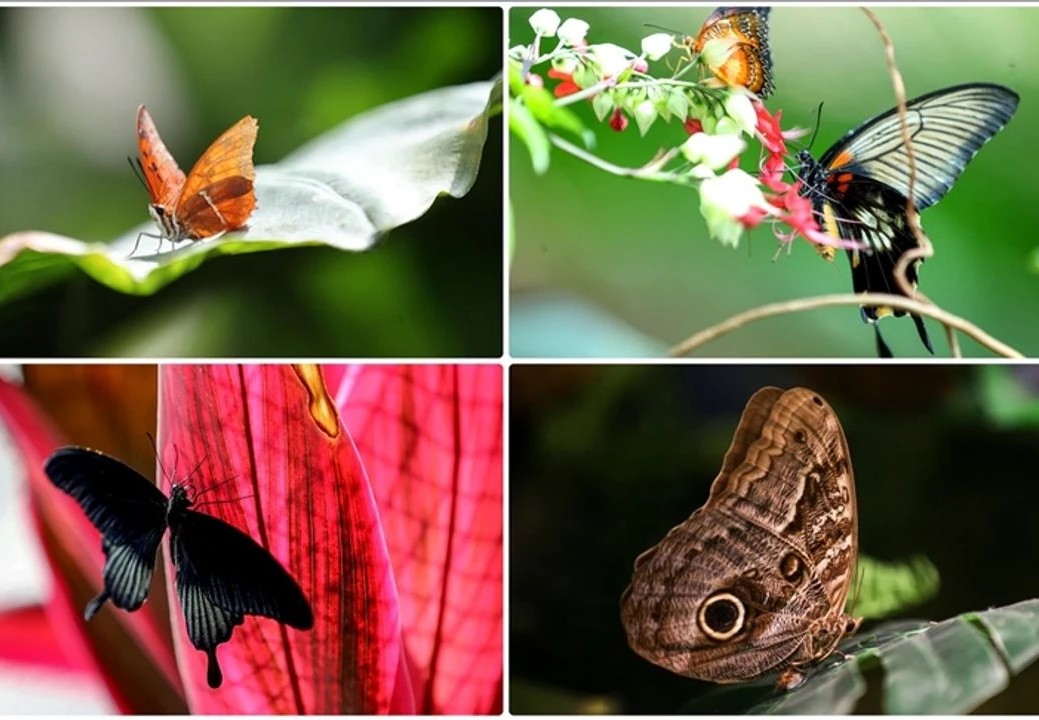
749 62
755 581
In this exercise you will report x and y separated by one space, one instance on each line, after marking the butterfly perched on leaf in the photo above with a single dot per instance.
215 197
222 574
743 58
859 187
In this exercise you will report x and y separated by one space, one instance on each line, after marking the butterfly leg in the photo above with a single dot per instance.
789 679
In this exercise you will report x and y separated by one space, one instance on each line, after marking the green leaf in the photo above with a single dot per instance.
543 106
1007 399
377 171
946 668
889 587
524 126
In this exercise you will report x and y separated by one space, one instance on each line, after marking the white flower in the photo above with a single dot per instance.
725 199
739 107
567 64
657 45
714 151
725 125
678 105
611 59
545 22
573 31
645 115
716 51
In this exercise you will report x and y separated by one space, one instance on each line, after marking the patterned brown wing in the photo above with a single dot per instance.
755 581
792 472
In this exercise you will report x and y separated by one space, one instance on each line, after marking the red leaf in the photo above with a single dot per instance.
29 639
275 462
431 440
127 650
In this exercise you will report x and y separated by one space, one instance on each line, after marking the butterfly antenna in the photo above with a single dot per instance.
158 456
223 502
202 492
138 171
860 575
651 26
818 124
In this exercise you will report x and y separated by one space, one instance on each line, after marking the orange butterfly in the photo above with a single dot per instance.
748 63
217 195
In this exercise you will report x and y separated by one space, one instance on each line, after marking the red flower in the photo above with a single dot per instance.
567 87
772 171
692 126
618 120
753 217
769 130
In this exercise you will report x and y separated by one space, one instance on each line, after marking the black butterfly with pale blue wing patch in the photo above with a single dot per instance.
859 186
222 574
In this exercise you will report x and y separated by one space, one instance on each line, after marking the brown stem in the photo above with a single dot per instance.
898 302
925 249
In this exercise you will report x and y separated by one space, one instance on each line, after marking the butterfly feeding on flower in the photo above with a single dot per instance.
743 58
859 187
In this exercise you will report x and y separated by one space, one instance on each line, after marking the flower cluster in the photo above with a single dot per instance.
720 122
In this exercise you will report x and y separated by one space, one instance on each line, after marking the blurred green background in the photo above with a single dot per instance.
70 83
607 266
604 460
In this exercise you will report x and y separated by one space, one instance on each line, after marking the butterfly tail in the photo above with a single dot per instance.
213 675
883 350
921 330
94 605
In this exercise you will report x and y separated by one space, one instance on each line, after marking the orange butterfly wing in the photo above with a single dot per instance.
749 64
218 193
161 173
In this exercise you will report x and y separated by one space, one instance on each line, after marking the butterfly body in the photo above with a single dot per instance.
217 196
748 61
222 574
859 187
755 581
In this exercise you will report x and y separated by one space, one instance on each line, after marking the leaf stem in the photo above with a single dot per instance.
899 302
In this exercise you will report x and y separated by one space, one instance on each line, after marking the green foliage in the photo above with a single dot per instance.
886 588
947 668
1011 399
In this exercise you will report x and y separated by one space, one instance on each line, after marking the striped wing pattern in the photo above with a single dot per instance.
947 128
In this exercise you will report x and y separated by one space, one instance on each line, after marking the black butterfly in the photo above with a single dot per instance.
222 574
859 186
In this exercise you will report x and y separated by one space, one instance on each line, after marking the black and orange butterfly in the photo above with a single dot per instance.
749 63
859 187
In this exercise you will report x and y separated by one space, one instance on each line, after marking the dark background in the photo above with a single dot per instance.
70 83
604 460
